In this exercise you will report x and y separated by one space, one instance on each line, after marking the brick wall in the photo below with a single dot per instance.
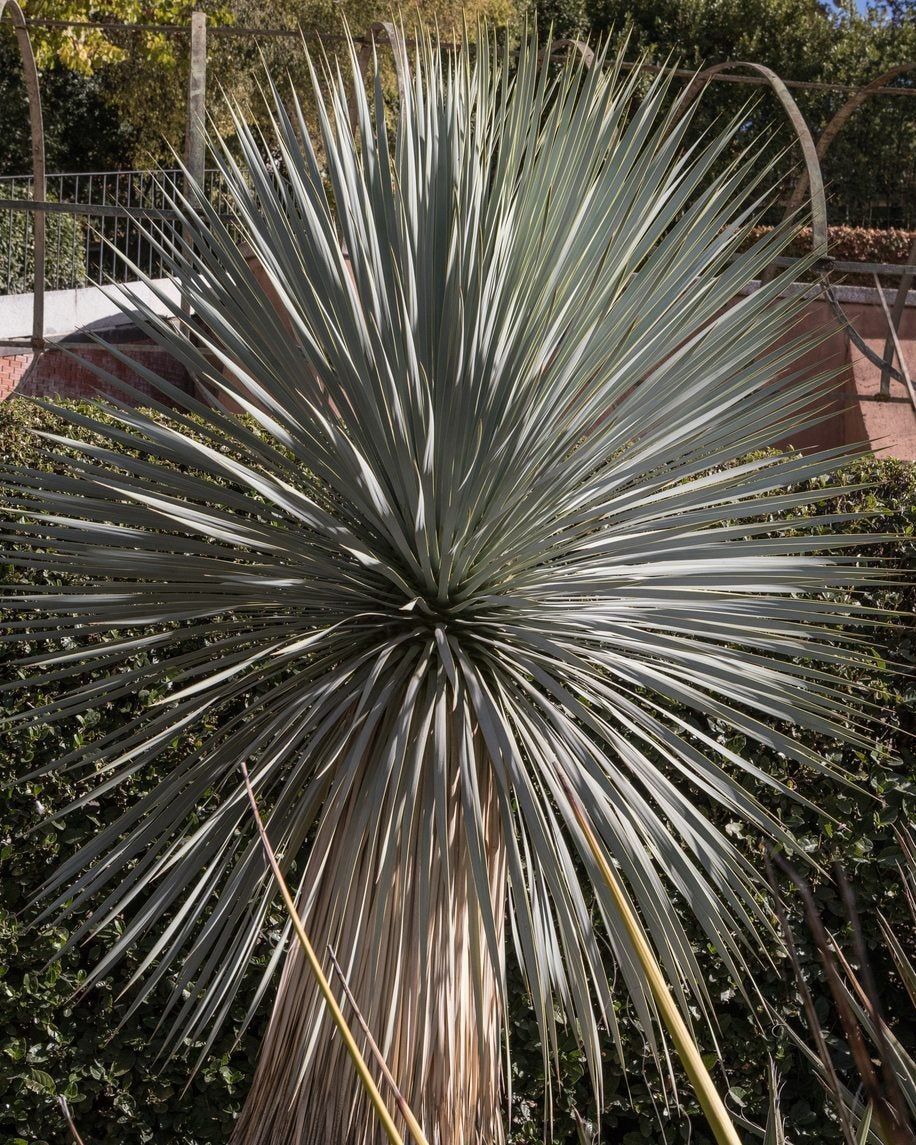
12 369
54 373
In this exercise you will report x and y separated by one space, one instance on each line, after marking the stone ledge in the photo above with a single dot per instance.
864 295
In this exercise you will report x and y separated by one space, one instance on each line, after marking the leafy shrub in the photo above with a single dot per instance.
52 1043
65 250
856 244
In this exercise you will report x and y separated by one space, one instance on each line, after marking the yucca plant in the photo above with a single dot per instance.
482 544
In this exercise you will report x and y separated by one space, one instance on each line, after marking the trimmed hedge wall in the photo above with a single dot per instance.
854 244
857 244
52 1043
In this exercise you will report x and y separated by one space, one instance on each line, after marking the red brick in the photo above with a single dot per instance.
55 374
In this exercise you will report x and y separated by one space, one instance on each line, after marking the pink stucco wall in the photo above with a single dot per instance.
855 411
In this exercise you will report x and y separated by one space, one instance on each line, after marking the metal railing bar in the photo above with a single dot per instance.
757 81
137 213
26 245
9 252
97 174
853 334
60 238
896 318
106 210
845 267
73 233
908 381
336 38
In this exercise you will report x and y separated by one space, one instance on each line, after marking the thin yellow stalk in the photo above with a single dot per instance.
399 1098
717 1115
865 1124
68 1117
378 1102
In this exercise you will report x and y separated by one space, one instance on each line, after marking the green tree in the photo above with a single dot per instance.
84 129
116 98
871 170
86 49
112 98
871 167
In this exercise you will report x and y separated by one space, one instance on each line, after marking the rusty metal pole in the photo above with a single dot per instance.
10 10
890 344
195 154
39 183
195 139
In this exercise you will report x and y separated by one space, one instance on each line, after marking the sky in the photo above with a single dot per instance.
861 5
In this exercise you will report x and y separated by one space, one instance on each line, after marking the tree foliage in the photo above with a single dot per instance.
871 168
85 50
118 100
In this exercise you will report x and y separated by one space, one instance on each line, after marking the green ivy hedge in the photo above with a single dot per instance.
65 251
53 1040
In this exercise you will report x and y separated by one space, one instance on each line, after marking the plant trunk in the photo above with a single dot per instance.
428 993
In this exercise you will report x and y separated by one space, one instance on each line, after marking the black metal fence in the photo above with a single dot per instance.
96 226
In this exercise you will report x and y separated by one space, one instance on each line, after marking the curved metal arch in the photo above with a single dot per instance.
12 13
885 363
580 47
383 30
802 130
836 125
813 178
